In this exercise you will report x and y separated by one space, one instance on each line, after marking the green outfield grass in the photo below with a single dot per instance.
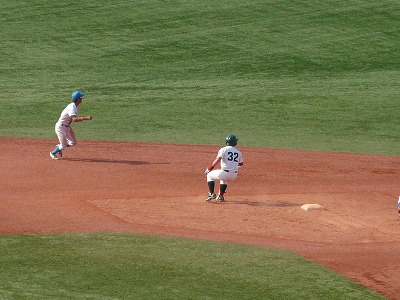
319 75
124 266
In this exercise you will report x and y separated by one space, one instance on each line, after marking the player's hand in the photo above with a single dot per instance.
208 170
89 118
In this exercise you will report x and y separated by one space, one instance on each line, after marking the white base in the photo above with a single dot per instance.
308 207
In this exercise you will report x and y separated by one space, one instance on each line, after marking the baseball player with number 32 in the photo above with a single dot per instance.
63 128
230 159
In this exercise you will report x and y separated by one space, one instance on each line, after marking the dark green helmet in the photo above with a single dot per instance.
231 140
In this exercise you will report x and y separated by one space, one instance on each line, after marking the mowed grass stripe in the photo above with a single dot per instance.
318 76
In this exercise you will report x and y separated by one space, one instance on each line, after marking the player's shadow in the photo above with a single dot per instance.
113 161
264 203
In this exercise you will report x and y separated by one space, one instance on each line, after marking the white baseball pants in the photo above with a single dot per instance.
221 175
66 136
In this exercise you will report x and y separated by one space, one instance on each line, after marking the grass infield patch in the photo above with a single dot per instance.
128 266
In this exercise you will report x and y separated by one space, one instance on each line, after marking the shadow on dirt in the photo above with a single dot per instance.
113 161
264 203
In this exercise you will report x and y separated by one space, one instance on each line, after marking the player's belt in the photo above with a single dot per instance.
64 125
230 171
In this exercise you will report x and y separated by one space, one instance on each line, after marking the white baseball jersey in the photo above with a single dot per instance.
231 157
67 114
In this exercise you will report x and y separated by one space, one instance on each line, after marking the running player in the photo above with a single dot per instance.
63 128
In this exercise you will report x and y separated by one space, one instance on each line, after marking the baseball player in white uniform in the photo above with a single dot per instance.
63 128
230 159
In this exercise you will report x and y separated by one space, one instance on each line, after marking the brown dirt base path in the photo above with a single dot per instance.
161 189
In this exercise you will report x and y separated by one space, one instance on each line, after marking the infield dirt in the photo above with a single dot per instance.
160 189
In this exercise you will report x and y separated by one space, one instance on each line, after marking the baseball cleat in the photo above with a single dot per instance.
211 196
53 156
220 198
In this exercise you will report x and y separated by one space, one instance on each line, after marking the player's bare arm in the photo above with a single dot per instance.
213 165
80 119
215 162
